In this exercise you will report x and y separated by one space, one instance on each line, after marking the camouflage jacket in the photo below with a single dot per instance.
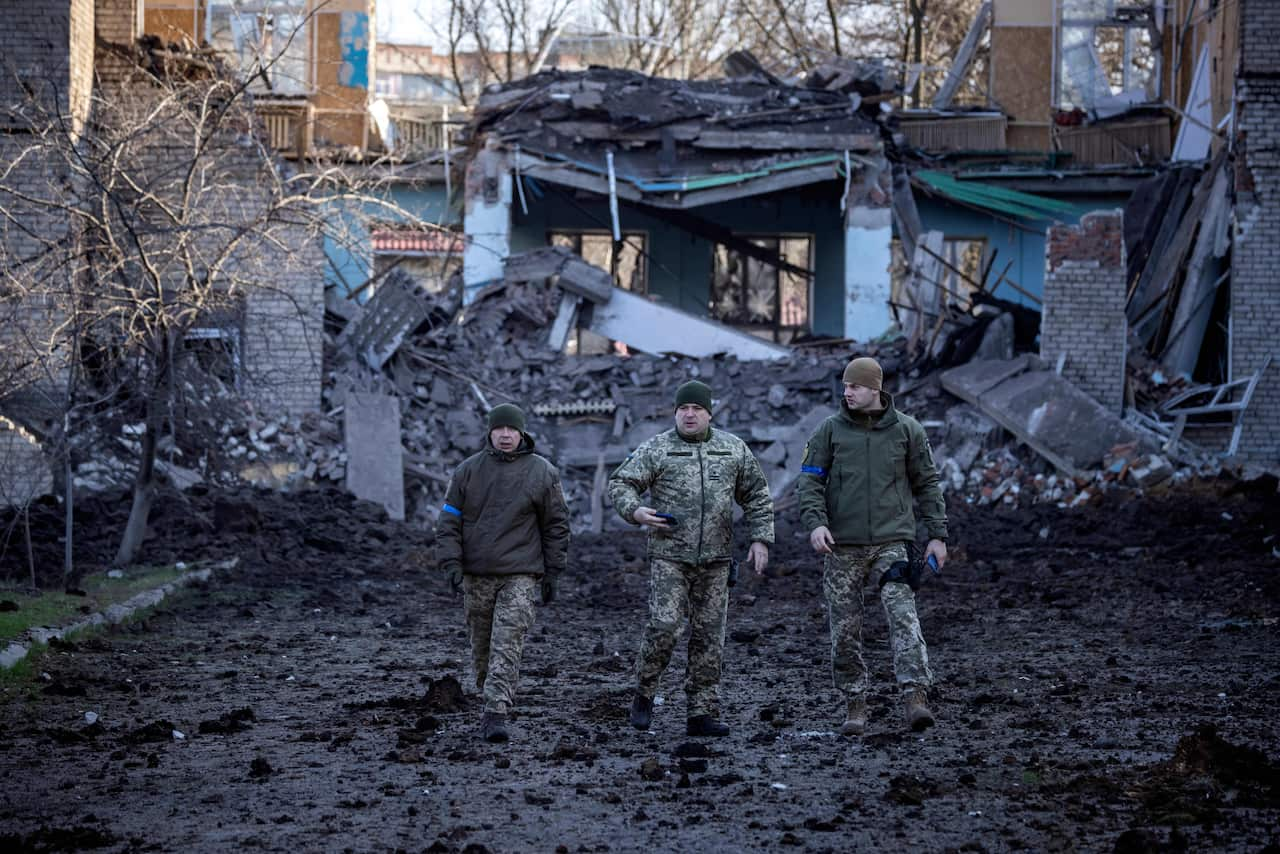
860 473
697 481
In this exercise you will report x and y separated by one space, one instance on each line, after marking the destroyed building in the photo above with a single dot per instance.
1104 211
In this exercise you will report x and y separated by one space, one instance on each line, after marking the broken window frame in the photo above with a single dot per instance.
633 241
229 334
289 70
776 330
1133 19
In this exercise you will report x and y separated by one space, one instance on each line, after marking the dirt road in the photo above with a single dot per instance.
1107 681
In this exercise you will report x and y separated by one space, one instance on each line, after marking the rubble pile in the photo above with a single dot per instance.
586 414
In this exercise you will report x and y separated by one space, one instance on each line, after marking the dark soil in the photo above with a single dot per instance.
1106 681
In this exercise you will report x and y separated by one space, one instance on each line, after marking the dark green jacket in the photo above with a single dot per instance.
504 514
860 473
697 481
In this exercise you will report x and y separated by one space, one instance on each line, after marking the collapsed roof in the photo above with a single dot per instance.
674 143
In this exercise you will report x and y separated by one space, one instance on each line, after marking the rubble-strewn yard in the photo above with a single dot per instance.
1107 676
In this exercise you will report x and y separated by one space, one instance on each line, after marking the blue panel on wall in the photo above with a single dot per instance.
353 41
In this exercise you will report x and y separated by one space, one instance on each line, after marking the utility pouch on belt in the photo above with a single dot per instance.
910 572
733 572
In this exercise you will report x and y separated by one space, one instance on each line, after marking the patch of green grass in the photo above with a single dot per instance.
19 682
58 608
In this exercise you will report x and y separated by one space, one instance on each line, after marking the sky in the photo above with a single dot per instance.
401 21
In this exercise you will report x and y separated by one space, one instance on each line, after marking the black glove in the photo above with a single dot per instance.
454 576
548 585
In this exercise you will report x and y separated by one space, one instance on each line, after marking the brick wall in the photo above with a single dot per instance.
34 42
1084 303
1255 263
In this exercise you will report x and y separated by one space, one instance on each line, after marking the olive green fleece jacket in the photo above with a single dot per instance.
860 473
504 514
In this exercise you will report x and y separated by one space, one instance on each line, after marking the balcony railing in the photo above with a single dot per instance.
1135 141
290 126
983 132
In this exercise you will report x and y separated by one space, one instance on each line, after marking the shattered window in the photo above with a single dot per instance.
1107 59
596 247
965 257
268 40
216 352
754 295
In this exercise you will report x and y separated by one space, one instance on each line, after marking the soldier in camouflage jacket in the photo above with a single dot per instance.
693 474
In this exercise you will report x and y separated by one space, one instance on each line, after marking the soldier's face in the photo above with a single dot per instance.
860 397
692 419
505 439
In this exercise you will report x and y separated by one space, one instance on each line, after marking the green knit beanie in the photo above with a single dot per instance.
694 392
864 371
506 415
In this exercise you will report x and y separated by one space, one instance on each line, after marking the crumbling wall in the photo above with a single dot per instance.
1255 293
1084 305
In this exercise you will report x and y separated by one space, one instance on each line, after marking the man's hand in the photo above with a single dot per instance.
758 557
454 576
649 516
822 541
938 549
548 588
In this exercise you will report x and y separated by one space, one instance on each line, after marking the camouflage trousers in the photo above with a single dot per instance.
701 593
846 573
500 611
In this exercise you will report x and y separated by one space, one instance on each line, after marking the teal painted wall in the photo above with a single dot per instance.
1022 243
346 245
680 263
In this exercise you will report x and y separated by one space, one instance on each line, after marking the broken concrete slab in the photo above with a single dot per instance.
375 460
1052 416
396 308
656 328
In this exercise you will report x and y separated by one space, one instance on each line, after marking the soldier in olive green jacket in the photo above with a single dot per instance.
862 468
693 475
503 537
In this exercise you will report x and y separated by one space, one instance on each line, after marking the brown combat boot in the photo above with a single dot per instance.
855 717
919 717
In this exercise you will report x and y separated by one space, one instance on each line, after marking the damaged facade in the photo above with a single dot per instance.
1106 212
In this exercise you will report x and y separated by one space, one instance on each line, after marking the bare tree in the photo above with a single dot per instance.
681 38
169 216
499 40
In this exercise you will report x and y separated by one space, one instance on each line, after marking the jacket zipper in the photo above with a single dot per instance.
866 467
702 502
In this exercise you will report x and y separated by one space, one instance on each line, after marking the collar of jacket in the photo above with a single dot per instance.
872 420
704 436
525 447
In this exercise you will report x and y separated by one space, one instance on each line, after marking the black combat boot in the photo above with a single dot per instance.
493 727
641 715
707 726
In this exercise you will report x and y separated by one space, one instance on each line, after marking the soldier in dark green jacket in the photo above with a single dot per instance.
862 468
693 474
503 537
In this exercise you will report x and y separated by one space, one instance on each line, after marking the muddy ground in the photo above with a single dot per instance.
1107 680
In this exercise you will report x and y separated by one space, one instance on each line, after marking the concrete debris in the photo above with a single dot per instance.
1060 422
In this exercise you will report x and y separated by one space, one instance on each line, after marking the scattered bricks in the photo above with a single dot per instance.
1152 471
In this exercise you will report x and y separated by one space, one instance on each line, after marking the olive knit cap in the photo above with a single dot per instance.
864 371
694 392
506 415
